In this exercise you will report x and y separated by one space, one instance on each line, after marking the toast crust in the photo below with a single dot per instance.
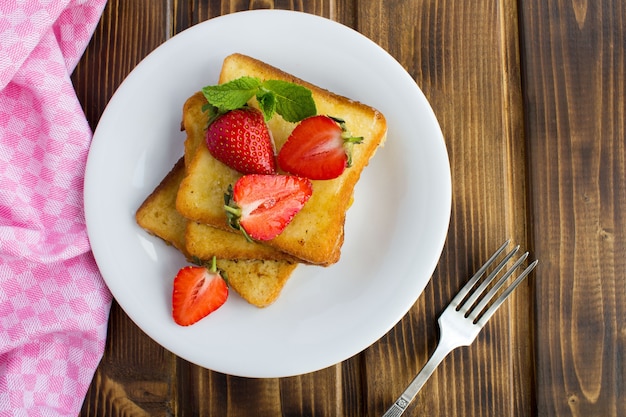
204 241
315 234
155 215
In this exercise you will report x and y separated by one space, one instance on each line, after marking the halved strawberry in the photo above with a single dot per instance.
261 206
241 139
319 148
198 292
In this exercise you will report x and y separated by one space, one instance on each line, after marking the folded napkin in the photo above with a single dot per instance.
53 302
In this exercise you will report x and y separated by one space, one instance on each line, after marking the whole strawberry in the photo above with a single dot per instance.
319 148
241 139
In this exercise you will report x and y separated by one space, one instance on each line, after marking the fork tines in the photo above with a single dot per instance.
474 300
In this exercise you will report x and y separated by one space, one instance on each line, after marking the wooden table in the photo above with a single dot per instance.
530 98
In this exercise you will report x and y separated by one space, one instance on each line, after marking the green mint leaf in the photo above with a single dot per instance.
267 104
211 111
293 102
233 94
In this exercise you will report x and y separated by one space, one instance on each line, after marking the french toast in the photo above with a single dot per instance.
315 235
202 240
259 282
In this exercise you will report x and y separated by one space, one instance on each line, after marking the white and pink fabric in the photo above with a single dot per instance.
54 304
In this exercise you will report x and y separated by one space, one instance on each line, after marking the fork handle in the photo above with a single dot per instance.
441 351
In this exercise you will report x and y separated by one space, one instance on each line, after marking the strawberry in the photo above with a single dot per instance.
198 292
241 139
261 206
319 148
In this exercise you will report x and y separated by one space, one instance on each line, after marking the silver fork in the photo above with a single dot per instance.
465 316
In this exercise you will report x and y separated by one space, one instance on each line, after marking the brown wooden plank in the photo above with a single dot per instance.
207 393
191 12
127 32
574 76
465 58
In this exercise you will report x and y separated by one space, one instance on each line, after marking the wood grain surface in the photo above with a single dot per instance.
574 105
530 98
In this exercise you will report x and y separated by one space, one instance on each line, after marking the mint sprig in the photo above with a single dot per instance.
291 101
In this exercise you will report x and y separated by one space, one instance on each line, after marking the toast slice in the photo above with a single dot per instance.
315 234
259 282
204 241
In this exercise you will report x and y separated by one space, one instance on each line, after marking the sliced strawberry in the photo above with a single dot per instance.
197 293
319 148
241 139
261 206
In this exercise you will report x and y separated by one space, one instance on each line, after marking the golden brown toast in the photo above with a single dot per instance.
315 235
204 241
257 281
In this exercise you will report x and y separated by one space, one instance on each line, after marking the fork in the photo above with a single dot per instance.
465 316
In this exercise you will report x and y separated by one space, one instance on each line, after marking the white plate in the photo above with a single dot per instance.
395 230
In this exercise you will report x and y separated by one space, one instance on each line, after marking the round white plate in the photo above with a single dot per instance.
395 230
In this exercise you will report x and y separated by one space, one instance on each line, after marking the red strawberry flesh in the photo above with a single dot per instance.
268 203
197 293
241 139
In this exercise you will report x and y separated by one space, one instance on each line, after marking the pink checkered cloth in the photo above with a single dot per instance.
53 302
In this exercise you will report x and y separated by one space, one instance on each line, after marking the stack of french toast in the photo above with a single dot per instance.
187 208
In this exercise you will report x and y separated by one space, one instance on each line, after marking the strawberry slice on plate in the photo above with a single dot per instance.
319 148
197 292
241 139
261 206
